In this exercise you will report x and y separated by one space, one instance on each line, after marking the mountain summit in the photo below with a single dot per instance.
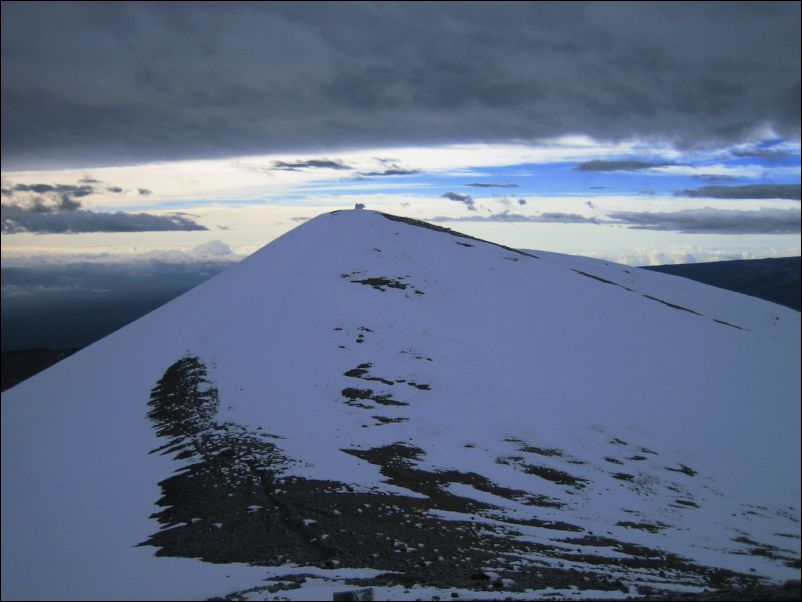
372 400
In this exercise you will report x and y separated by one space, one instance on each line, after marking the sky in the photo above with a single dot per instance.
145 135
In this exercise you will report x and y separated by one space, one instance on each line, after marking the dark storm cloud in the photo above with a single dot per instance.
46 208
22 199
45 198
460 198
16 219
62 202
65 189
763 153
118 82
491 185
310 164
624 165
714 221
752 191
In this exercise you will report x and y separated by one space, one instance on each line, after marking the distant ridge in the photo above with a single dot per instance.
776 280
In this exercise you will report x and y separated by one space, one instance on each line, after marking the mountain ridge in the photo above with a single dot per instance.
468 388
773 279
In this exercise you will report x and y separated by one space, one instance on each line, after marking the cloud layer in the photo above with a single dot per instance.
690 221
752 191
54 209
622 165
549 217
163 81
714 221
17 219
309 164
71 302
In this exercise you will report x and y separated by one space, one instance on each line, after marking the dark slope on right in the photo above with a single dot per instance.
776 280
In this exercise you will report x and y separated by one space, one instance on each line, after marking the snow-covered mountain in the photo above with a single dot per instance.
370 400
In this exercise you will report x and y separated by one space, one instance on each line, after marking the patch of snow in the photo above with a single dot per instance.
588 358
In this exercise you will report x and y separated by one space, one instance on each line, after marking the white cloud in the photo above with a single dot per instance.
720 169
679 254
254 177
212 251
213 248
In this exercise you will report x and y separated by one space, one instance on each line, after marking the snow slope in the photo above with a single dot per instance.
525 416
